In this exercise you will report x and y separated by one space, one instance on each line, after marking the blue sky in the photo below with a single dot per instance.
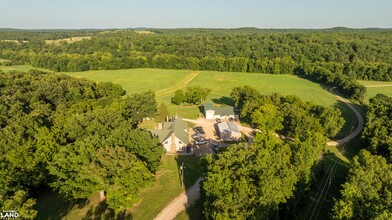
191 13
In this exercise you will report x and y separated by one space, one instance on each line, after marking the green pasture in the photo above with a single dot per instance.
375 87
136 80
221 84
22 68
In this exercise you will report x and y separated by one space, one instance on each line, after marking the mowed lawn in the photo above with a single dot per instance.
373 91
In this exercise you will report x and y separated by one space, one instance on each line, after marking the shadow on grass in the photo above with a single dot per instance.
102 211
349 117
330 174
50 205
224 100
191 169
192 172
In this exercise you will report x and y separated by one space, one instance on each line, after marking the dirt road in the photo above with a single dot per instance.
359 126
180 203
179 85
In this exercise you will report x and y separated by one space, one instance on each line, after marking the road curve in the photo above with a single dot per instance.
179 204
357 130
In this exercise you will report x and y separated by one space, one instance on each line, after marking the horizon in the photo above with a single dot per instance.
178 14
204 28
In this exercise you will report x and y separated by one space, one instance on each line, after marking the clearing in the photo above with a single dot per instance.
165 82
67 40
375 87
23 68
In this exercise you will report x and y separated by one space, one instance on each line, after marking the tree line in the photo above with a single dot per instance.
336 58
76 137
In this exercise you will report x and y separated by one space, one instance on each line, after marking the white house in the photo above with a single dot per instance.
173 135
213 112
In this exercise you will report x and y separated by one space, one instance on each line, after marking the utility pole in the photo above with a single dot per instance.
182 168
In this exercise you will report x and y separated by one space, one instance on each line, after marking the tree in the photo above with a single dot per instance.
378 128
21 203
163 112
179 97
192 95
367 191
267 118
81 170
249 182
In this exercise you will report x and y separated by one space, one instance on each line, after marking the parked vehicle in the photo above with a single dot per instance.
189 148
231 119
201 141
199 129
197 135
215 147
218 120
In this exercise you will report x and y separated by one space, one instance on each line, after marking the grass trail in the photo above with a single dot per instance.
179 85
373 86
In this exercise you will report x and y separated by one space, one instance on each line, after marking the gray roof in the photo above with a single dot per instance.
226 110
229 126
179 127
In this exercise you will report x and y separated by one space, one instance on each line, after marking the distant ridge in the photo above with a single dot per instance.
247 29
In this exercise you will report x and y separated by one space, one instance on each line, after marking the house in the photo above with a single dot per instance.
213 112
228 131
173 135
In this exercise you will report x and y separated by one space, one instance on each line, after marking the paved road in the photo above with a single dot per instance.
180 203
359 126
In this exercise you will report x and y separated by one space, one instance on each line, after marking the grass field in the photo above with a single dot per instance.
23 68
67 40
165 82
375 87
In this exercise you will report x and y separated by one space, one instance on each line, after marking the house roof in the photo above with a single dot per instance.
178 126
162 134
229 126
226 110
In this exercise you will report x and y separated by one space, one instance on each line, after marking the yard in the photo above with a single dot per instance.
166 187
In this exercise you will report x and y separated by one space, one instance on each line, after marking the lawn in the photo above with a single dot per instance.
167 186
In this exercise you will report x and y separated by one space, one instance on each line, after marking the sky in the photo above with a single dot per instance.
75 14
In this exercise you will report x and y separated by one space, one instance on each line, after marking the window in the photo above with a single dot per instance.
179 142
166 142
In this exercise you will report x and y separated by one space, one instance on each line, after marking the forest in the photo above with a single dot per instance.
270 178
334 57
74 136
79 137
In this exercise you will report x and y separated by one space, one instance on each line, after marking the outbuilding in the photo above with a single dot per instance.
213 112
228 131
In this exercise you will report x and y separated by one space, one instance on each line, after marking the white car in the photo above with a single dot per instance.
201 141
